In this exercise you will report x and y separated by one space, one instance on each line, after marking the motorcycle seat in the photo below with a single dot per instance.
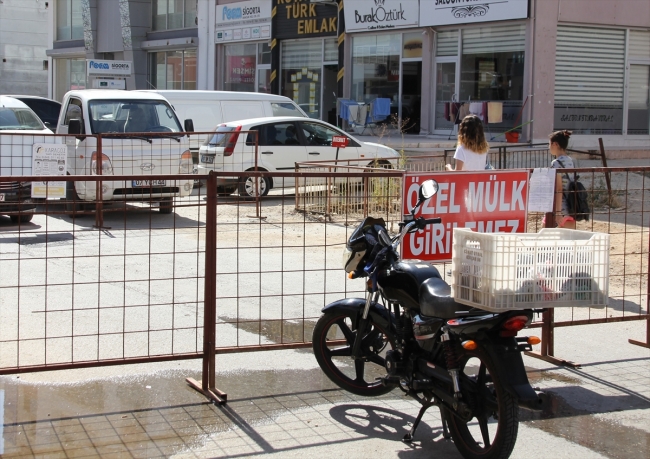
436 300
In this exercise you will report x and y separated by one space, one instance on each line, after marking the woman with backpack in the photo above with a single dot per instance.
557 145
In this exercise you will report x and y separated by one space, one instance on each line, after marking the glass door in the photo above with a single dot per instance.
445 113
638 100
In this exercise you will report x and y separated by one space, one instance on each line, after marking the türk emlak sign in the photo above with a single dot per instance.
484 201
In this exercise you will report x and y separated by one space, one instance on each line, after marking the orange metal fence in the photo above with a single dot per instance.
224 273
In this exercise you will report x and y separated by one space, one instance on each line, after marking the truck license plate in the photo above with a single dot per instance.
207 159
138 183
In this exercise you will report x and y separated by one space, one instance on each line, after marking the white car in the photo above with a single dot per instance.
283 141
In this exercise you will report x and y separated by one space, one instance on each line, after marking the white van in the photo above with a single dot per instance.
208 109
130 123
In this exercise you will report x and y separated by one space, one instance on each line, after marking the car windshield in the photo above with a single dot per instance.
126 116
219 137
19 119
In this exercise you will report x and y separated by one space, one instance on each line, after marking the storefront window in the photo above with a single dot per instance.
492 63
482 73
375 68
173 69
70 74
69 20
173 14
240 67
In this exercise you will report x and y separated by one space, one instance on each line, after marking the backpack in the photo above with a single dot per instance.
577 199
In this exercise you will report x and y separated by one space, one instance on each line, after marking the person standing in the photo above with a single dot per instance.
557 145
471 153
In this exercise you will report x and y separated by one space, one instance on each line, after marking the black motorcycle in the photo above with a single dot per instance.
463 360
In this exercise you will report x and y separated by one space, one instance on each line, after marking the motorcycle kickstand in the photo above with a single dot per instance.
445 429
408 438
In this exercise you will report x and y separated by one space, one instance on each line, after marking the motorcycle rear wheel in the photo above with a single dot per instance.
492 432
356 376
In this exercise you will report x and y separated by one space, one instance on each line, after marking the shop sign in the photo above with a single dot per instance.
243 21
372 15
242 69
96 67
303 19
484 201
49 159
340 141
588 118
447 12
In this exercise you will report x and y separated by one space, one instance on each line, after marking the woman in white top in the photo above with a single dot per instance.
471 153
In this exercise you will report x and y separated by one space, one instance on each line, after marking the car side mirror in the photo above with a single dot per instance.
189 125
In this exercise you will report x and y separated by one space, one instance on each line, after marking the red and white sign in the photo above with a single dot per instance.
340 141
484 201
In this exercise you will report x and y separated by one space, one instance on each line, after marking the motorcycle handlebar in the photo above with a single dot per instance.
423 222
419 223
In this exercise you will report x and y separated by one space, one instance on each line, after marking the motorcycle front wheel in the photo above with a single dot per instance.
332 342
492 432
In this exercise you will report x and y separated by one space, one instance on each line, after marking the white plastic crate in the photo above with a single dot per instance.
553 268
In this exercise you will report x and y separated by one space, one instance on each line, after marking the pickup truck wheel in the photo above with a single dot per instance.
166 206
25 218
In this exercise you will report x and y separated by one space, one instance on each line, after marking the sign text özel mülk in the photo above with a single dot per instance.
481 196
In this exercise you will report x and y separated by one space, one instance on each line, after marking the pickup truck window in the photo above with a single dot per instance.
127 116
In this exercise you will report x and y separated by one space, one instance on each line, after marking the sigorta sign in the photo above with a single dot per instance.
484 201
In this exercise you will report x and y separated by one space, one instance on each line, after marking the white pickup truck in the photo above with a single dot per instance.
130 123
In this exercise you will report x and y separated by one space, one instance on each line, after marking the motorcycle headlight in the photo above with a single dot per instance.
351 259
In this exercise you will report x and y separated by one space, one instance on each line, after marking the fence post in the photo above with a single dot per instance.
647 322
604 159
99 195
207 386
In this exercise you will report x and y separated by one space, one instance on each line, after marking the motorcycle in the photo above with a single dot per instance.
465 361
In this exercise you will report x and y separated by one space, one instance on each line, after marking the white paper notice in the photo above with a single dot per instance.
541 190
49 159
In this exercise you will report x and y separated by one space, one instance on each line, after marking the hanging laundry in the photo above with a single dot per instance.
476 108
454 108
447 111
380 109
363 114
354 114
495 112
463 112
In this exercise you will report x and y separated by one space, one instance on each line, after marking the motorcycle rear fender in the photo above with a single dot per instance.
512 373
378 313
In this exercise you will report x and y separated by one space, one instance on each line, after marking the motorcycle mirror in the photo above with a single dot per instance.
428 189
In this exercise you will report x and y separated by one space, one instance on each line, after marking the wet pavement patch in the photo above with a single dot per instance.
561 418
